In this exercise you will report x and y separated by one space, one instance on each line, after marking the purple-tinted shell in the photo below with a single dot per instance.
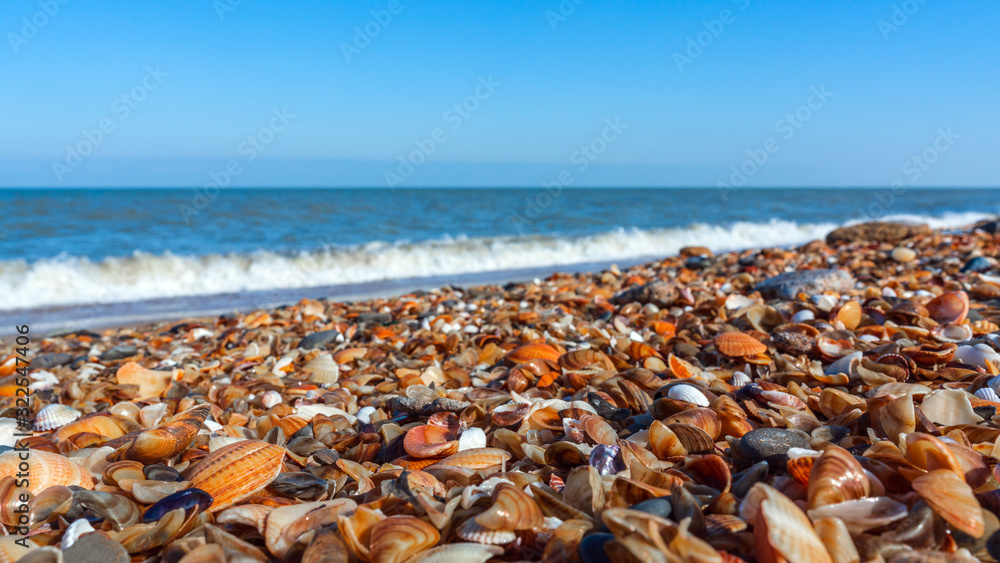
607 459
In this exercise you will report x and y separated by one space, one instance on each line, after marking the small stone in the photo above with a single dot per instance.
689 251
794 343
903 254
48 361
977 264
659 293
790 284
375 318
95 547
771 445
659 506
119 353
317 339
591 548
877 231
990 227
697 262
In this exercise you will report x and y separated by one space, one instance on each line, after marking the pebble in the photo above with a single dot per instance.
119 353
591 548
659 506
977 264
877 231
317 339
48 361
790 284
96 548
771 445
903 254
661 294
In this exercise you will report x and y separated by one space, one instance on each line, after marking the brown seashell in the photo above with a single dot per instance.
694 439
800 468
664 443
928 453
510 416
599 431
738 344
152 383
585 358
163 442
45 470
931 354
949 307
101 424
430 441
512 509
836 477
703 418
837 539
356 530
639 351
952 499
782 530
834 402
326 547
398 538
531 351
477 458
895 417
237 471
710 470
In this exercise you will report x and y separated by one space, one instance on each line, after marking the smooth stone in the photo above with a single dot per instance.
697 262
317 339
95 547
987 412
659 506
46 361
377 318
831 434
771 445
903 254
790 284
119 353
991 227
689 251
591 548
977 264
877 231
746 479
659 293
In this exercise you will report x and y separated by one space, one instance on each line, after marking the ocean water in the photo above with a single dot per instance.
94 256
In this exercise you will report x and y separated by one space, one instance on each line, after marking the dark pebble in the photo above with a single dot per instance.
859 450
991 227
659 506
977 264
746 479
376 318
831 434
987 412
47 361
790 284
317 339
771 445
95 547
697 262
591 548
119 353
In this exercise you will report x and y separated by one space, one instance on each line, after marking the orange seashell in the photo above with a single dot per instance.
348 355
414 463
430 441
849 315
663 328
477 458
532 351
664 443
46 470
949 308
738 344
512 509
703 418
588 357
800 467
101 424
681 368
952 498
598 430
398 538
163 442
783 532
237 471
152 383
640 351
836 477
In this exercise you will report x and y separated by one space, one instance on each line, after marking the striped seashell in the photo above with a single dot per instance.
323 369
531 351
988 394
237 471
688 394
464 552
477 458
738 344
471 439
471 531
739 379
55 416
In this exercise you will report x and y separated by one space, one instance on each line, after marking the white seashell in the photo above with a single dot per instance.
221 441
736 301
465 552
213 425
847 364
888 292
949 407
74 531
365 415
323 369
689 394
283 362
803 316
988 394
471 439
270 399
55 416
199 333
43 380
953 333
471 531
635 336
309 411
824 302
976 355
151 415
739 379
795 453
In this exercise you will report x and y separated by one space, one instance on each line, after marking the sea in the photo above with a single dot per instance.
94 258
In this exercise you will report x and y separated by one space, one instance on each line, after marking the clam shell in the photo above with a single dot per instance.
55 416
836 477
430 441
323 369
861 515
152 383
949 307
477 458
689 394
532 351
949 407
398 538
738 344
952 499
237 471
459 553
47 470
977 355
512 509
783 528
472 438
163 442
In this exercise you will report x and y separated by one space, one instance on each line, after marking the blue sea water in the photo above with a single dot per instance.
160 251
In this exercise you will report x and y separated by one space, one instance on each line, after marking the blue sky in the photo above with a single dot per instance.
697 89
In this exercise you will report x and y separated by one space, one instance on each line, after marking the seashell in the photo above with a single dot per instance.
356 530
862 514
952 499
151 491
977 355
100 424
151 415
782 529
459 553
46 470
903 254
606 459
187 500
896 417
681 368
322 369
163 442
931 354
585 358
143 537
803 316
949 307
599 431
286 524
73 532
151 383
510 413
688 393
849 315
739 379
55 416
949 407
952 333
12 548
430 441
325 547
270 399
836 477
535 350
471 438
846 364
664 443
237 471
46 505
398 538
694 439
512 509
987 394
702 418
738 344
929 453
120 511
477 458
837 539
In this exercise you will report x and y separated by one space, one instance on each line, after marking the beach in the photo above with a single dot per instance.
692 404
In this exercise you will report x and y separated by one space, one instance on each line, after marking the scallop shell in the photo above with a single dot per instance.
689 394
976 355
739 344
472 438
739 379
237 471
782 528
430 441
47 470
988 394
323 369
55 416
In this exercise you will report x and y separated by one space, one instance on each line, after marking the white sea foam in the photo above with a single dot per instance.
69 280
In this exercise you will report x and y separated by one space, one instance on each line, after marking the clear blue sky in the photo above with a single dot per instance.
560 70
